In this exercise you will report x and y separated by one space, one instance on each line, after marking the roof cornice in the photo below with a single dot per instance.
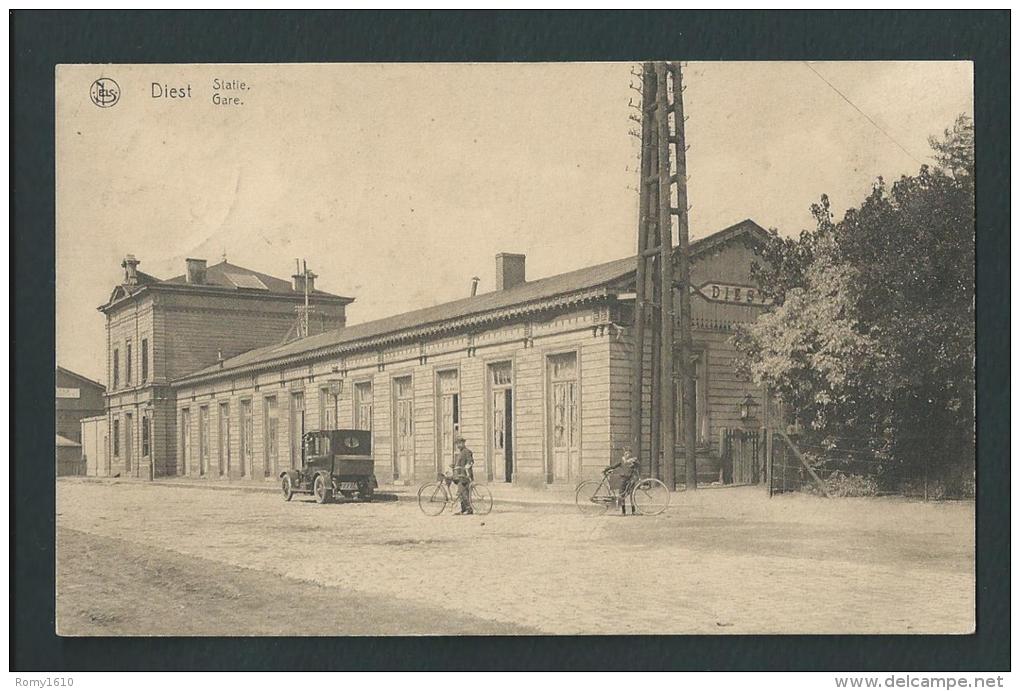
220 291
405 335
699 247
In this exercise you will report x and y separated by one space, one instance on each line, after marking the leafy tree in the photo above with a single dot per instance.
872 336
955 151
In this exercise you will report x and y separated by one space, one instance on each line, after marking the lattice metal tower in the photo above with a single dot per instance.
663 306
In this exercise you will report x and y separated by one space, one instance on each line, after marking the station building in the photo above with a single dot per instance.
160 330
536 375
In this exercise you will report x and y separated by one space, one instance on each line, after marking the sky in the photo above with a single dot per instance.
399 182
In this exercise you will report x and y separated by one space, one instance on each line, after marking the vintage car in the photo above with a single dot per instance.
336 462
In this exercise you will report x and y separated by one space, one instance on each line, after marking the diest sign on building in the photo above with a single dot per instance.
727 292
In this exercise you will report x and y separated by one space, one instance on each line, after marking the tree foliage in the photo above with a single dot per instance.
872 336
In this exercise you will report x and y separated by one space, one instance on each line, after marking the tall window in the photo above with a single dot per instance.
563 375
564 419
271 436
129 439
501 378
116 368
185 441
363 405
448 385
145 434
145 359
127 363
246 423
297 426
403 408
224 439
116 436
203 439
327 409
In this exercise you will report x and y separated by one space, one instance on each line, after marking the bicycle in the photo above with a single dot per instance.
648 495
433 497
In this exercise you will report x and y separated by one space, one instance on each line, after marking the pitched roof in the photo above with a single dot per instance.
227 275
80 376
222 276
65 442
530 292
567 288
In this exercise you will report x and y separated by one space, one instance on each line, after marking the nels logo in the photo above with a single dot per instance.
105 92
351 442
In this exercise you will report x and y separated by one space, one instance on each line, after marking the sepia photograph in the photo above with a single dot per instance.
415 349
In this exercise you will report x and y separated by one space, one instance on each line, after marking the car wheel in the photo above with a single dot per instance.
321 491
365 491
287 487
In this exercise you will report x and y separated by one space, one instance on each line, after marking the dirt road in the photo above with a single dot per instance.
154 560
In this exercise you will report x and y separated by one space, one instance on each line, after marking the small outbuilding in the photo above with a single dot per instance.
77 398
69 460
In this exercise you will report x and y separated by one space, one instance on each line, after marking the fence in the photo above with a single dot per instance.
834 466
70 466
743 460
845 466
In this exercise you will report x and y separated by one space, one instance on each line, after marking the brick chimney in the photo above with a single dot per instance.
299 282
196 270
130 266
509 270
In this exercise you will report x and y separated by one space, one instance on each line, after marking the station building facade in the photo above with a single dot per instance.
536 375
160 330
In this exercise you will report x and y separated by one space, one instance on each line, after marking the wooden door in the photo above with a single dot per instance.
500 422
449 417
563 419
403 407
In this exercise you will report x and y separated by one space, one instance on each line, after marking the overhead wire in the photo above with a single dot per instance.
863 114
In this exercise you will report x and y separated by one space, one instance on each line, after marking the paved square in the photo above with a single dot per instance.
158 560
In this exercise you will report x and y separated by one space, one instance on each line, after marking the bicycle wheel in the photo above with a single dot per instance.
650 497
593 497
432 498
480 499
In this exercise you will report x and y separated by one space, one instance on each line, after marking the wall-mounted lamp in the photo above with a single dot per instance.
748 408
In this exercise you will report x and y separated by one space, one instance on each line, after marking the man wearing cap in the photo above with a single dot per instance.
621 475
463 474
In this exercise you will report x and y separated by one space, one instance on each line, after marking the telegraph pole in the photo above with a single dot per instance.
301 271
687 364
667 399
662 295
304 270
642 310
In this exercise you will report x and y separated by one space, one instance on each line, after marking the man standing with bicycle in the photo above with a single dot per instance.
621 476
463 474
